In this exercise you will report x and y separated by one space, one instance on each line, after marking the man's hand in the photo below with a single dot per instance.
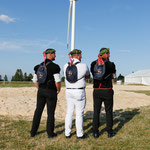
58 92
58 86
87 76
36 84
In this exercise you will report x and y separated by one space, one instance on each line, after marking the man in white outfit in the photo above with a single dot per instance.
75 95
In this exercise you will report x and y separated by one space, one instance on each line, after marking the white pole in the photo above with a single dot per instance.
73 25
69 15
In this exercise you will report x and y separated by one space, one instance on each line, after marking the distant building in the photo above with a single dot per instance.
139 77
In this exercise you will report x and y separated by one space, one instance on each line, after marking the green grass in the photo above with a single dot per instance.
132 128
137 84
19 84
143 92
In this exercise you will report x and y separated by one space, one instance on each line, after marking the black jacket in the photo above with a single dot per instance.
106 81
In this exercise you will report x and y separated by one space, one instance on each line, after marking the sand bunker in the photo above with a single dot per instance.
21 102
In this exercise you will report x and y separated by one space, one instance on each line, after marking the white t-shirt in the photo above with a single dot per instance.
82 71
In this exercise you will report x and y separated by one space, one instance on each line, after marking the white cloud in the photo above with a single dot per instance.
6 19
11 46
27 46
119 7
7 45
125 51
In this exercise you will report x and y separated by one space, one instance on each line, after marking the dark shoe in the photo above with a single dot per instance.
83 137
95 135
52 135
110 135
32 134
67 137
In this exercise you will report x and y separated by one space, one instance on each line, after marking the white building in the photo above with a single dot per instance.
139 77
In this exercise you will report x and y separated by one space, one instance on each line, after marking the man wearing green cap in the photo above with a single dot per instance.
102 70
47 93
75 94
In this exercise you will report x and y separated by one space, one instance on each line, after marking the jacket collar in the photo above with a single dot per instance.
76 60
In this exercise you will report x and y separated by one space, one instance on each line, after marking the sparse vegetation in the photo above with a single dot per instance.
16 84
143 92
131 127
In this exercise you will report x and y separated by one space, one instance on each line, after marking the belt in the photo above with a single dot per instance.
100 84
102 88
76 88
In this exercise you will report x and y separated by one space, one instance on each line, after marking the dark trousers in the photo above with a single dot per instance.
105 96
49 97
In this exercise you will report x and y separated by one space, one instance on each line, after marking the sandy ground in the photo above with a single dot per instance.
21 102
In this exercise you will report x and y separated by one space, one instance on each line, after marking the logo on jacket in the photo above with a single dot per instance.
69 73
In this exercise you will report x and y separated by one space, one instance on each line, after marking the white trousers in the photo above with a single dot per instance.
76 100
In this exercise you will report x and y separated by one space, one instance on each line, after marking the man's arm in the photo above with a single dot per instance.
58 86
114 71
87 75
35 81
36 84
113 67
92 67
57 82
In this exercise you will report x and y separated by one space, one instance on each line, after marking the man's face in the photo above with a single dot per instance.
106 55
80 57
53 55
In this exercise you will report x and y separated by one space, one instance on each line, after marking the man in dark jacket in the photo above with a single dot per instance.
103 91
47 94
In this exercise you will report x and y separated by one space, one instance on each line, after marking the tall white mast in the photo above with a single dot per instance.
73 25
73 8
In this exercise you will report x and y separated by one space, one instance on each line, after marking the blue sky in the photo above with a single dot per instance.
29 27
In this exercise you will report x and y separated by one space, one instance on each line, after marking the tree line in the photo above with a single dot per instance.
19 76
5 78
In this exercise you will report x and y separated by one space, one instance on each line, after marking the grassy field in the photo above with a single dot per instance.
137 84
143 92
132 128
18 84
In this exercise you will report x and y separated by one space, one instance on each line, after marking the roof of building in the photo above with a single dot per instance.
140 73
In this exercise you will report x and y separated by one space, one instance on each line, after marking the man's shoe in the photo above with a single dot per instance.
67 137
83 137
32 134
52 135
95 135
110 135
